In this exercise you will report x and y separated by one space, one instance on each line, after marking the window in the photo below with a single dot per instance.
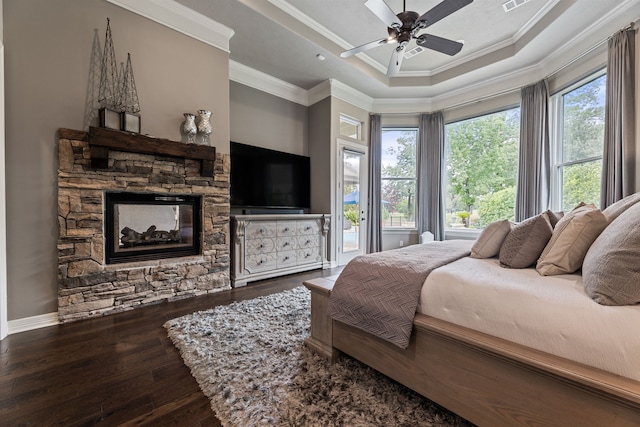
350 127
579 143
399 177
481 163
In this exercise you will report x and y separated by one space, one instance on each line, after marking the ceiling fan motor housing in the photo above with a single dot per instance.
404 33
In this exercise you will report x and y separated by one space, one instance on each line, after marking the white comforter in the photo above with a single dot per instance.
552 314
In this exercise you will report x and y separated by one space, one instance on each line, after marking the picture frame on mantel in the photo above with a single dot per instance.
109 119
130 122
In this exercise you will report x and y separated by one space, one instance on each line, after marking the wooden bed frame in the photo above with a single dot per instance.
486 380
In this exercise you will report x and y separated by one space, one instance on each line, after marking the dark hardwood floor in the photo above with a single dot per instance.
120 369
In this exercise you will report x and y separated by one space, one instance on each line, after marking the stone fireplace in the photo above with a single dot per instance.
141 220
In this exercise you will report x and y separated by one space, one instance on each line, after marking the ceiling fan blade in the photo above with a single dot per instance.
384 12
367 46
441 10
395 62
446 46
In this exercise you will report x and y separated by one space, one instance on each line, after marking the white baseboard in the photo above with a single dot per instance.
33 322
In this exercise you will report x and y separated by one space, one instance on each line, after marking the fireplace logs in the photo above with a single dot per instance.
152 236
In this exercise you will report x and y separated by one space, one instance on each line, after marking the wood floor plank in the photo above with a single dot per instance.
120 369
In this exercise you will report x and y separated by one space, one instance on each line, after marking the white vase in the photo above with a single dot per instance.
204 126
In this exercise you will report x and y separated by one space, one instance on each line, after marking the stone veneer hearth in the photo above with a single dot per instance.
87 287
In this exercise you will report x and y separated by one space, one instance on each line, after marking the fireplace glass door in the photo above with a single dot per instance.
142 226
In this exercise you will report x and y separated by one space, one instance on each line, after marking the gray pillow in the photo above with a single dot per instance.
490 240
616 209
526 241
611 268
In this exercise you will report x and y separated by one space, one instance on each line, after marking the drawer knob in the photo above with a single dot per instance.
261 246
286 244
286 229
307 228
286 258
308 241
262 230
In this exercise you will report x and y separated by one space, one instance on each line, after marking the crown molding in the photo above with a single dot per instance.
180 18
405 105
248 76
337 89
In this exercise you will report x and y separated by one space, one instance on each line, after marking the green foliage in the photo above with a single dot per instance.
482 159
581 183
398 183
352 216
497 206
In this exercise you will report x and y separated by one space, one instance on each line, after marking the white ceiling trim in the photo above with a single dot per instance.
337 89
258 80
572 49
182 19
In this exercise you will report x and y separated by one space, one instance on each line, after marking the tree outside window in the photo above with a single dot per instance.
481 169
579 168
399 177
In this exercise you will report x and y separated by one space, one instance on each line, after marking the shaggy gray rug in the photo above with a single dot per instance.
250 361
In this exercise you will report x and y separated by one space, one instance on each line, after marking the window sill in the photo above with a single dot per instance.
451 233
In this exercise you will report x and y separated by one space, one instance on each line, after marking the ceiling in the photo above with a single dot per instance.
282 38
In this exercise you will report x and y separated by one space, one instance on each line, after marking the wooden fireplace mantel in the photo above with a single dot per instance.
101 140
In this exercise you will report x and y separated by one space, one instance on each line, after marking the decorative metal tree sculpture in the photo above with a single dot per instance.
108 93
93 85
129 94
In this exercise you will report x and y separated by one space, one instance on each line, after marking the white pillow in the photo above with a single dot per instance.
489 242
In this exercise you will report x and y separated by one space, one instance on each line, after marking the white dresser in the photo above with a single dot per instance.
264 246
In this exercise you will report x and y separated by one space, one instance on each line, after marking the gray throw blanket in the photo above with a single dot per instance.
379 292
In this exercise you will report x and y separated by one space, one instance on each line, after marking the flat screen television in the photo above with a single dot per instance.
264 180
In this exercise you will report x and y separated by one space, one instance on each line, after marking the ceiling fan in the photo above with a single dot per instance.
404 27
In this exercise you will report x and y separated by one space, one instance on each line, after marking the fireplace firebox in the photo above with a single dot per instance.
146 226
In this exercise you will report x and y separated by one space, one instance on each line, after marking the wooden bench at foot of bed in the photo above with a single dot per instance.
487 380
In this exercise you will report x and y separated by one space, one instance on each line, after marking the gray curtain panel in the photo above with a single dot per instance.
374 225
618 161
533 189
430 170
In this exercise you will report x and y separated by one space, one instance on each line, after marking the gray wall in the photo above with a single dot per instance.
264 120
47 56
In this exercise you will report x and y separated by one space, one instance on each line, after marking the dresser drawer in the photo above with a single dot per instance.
308 227
261 262
308 241
261 229
286 228
286 259
286 244
260 246
307 256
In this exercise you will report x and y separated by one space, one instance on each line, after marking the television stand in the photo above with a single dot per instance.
265 246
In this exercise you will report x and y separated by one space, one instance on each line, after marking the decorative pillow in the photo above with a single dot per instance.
611 269
526 241
554 217
490 240
572 237
616 209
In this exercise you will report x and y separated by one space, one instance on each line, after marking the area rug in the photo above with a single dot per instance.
250 360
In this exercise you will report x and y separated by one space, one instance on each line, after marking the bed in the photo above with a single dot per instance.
510 346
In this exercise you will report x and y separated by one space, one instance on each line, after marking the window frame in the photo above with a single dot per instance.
415 179
357 124
556 136
471 233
